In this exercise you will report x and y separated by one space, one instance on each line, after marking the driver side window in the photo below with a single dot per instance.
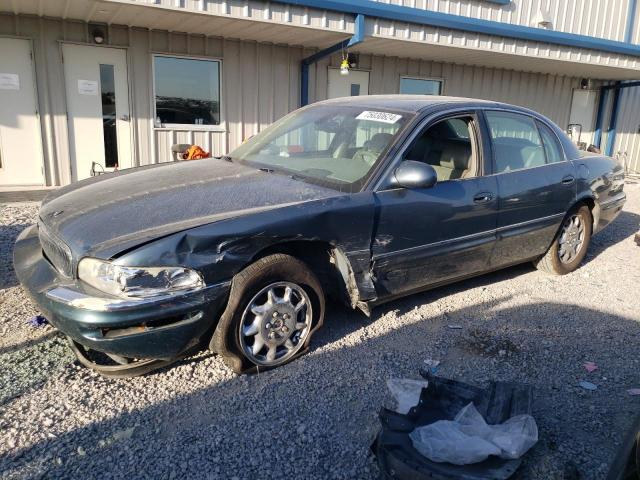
449 147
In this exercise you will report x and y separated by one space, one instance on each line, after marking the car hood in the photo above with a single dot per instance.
106 215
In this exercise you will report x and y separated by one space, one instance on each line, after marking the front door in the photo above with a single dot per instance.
352 85
583 114
98 109
21 160
428 236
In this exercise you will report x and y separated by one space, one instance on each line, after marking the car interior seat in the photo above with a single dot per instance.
373 147
451 158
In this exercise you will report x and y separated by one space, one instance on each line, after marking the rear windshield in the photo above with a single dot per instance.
334 146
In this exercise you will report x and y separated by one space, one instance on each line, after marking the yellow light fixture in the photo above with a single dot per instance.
344 67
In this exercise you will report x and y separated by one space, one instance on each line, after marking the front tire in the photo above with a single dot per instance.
570 245
274 307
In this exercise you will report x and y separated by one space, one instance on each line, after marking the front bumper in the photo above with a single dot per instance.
161 328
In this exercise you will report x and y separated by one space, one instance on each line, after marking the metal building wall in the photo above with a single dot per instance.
627 145
548 94
597 18
260 83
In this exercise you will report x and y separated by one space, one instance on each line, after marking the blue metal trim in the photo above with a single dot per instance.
476 25
613 123
597 134
631 21
358 37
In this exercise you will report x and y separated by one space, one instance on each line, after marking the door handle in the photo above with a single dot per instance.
125 118
568 180
484 197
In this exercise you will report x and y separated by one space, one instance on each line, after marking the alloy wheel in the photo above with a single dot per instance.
571 238
275 324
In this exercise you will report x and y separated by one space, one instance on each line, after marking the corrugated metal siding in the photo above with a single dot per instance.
260 83
469 45
627 145
597 18
548 94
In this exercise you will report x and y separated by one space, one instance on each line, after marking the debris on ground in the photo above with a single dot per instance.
590 367
588 385
634 392
469 439
406 392
478 412
432 364
38 321
454 327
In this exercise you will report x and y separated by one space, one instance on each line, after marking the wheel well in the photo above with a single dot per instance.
321 257
591 204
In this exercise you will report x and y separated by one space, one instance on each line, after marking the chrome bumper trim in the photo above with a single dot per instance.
75 298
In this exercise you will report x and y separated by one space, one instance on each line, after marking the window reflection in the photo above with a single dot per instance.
420 86
108 93
187 91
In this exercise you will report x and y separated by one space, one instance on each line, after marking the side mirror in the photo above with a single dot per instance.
412 174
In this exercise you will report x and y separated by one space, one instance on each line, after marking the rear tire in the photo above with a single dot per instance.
570 245
274 307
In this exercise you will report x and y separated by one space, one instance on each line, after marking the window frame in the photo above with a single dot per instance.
535 119
432 79
186 126
555 137
383 183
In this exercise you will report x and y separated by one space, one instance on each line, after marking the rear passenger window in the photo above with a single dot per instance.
516 141
552 147
448 147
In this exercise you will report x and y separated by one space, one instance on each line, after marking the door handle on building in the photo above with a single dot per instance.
125 118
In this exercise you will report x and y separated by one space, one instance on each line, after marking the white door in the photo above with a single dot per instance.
98 109
21 160
583 112
352 85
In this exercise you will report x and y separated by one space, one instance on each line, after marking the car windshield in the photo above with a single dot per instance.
334 146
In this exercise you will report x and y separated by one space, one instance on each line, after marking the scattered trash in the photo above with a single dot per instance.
469 439
124 434
432 364
588 385
633 391
590 367
455 327
81 451
38 321
406 392
442 400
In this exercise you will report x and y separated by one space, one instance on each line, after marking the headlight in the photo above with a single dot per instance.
137 281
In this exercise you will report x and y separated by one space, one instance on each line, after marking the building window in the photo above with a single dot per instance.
187 91
420 86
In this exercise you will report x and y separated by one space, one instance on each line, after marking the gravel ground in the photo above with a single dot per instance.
316 418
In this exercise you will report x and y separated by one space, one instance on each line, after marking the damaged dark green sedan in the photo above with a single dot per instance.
363 199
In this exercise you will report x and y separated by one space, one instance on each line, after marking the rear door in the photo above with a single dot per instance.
427 236
536 185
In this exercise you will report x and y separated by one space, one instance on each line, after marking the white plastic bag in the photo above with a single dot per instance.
444 441
469 439
406 392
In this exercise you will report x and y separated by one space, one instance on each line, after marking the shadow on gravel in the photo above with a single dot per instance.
320 410
8 235
625 226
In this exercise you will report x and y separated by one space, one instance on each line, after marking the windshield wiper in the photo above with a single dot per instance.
267 170
226 158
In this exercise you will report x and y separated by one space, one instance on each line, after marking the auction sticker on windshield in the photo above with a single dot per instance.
382 117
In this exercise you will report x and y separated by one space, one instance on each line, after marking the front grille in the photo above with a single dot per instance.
56 251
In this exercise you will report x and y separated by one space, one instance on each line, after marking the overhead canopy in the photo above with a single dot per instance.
284 23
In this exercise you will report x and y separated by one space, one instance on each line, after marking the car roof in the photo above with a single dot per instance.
414 103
